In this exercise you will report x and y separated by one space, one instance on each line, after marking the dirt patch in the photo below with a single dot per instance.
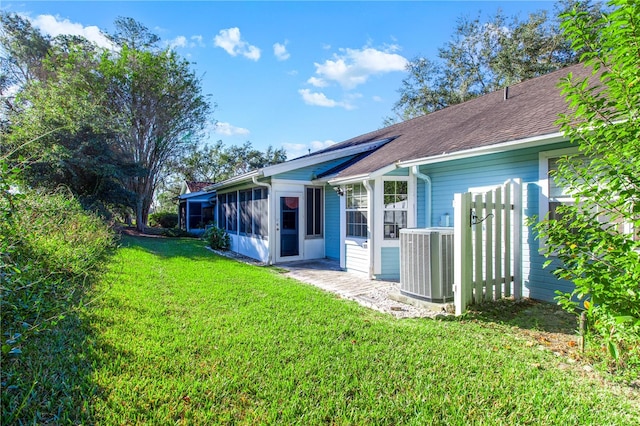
542 324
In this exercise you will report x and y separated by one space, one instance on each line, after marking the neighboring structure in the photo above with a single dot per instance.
196 207
348 202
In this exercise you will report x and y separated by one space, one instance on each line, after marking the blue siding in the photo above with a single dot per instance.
390 263
331 223
398 172
311 172
458 176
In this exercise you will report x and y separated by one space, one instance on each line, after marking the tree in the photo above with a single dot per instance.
58 125
597 238
483 57
23 50
157 103
214 163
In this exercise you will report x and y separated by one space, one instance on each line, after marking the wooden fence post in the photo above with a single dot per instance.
463 284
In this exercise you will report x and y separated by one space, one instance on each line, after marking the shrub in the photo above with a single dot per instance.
217 238
163 219
50 250
176 233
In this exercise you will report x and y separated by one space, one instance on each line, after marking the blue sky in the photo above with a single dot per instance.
298 75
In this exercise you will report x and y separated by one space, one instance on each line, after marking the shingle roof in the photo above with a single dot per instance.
197 186
531 110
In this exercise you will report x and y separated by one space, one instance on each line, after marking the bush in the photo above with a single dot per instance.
163 219
217 238
50 251
177 233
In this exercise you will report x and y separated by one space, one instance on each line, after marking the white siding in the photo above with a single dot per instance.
357 256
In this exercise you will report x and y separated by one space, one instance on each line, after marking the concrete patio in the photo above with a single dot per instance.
383 296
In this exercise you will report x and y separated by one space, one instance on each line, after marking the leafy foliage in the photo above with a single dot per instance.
485 56
217 238
597 238
105 121
164 219
214 163
50 250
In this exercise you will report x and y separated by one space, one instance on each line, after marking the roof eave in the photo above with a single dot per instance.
491 149
234 180
320 158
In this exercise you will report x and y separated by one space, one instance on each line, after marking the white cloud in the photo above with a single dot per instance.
231 41
229 130
280 51
317 82
182 41
295 150
320 99
376 98
198 40
353 67
54 26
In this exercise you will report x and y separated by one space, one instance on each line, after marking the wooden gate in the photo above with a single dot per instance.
488 245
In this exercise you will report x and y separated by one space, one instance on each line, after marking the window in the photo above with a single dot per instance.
555 195
396 205
260 212
228 211
357 213
195 216
246 222
314 212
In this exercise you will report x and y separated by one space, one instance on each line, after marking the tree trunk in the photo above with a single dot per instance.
141 222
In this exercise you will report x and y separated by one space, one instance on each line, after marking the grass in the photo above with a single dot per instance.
182 336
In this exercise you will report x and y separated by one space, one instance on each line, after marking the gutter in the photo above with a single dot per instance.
490 149
270 227
427 193
233 180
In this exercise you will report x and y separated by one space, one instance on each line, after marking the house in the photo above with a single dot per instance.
349 202
195 206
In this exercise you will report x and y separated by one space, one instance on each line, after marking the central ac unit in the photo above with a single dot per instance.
426 263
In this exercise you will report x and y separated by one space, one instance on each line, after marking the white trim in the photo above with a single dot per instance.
343 228
278 225
543 177
234 180
490 149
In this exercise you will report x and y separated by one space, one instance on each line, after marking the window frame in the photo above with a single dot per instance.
405 209
316 212
362 208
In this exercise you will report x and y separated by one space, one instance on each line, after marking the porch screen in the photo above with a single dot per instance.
228 211
260 212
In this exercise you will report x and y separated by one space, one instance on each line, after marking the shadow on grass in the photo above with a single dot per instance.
526 314
51 382
187 248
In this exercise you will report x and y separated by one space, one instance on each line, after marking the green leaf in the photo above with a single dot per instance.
613 350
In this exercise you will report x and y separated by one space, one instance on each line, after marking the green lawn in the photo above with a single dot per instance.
181 336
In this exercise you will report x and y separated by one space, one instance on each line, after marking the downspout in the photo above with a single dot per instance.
427 193
370 225
270 228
